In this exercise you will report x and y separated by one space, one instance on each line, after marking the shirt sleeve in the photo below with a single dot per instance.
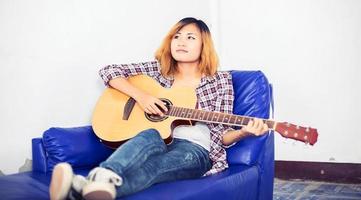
112 71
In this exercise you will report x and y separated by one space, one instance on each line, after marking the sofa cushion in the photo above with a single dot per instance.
252 98
78 146
237 182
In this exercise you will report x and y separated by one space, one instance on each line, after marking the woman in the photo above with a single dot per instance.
186 58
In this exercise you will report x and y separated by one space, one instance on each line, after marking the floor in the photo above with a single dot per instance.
312 190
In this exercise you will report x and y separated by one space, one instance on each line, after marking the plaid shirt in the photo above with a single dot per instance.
215 93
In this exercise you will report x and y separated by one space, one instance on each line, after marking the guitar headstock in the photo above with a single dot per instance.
304 134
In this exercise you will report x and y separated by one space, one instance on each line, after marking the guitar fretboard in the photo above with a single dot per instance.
216 117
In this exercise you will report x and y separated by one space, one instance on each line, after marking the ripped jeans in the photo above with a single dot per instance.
146 160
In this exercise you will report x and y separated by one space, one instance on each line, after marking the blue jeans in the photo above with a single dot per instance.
146 160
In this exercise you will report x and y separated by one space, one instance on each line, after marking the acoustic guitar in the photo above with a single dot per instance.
117 117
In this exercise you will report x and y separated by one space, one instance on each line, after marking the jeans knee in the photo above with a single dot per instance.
151 134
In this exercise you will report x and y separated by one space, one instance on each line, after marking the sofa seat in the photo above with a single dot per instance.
35 185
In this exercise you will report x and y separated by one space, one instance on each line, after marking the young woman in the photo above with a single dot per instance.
186 58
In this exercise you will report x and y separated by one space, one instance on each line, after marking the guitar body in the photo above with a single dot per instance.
109 125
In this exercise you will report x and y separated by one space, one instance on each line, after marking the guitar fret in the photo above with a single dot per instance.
192 114
182 112
210 116
206 117
175 111
226 118
178 112
200 115
197 114
185 111
239 120
189 113
215 117
242 121
221 117
232 119
170 111
245 120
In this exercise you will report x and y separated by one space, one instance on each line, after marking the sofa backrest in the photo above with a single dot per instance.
82 149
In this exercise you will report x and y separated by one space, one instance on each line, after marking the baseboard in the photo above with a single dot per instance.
318 171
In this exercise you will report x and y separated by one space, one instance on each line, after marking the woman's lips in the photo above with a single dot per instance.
181 51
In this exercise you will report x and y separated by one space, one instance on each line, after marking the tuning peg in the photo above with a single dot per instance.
286 132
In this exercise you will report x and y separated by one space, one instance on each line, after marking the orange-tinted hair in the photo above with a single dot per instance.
208 61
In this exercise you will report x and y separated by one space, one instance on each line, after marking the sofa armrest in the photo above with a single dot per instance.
78 146
38 155
252 98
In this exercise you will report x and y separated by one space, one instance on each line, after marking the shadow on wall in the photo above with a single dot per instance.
27 166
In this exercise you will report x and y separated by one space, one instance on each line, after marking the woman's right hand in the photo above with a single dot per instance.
149 104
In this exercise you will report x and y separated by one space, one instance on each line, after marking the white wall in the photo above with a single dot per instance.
50 53
311 51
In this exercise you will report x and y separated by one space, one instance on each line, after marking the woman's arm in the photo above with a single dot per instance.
113 71
147 102
254 127
116 76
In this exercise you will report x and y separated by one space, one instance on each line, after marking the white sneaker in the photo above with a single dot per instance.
77 186
101 184
60 181
64 184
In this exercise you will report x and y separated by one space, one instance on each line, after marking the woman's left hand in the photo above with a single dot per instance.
255 127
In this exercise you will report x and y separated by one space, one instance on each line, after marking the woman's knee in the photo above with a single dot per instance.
151 134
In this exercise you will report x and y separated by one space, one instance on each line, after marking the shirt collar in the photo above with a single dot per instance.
207 79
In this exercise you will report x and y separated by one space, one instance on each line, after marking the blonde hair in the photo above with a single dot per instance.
208 61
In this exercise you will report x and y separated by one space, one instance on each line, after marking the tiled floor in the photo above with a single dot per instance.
311 190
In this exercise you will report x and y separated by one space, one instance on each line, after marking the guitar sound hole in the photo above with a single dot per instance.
158 118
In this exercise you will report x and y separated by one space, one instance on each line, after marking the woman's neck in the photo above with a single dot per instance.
188 71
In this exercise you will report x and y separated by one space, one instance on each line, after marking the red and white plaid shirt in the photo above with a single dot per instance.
215 93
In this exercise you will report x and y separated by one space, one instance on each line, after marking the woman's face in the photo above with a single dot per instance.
186 45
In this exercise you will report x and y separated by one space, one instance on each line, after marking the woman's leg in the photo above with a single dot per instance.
132 154
184 160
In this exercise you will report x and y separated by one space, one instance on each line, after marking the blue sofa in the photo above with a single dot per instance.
249 177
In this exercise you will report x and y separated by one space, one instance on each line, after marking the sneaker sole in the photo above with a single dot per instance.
60 181
99 191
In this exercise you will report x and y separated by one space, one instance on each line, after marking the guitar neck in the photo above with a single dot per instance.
214 117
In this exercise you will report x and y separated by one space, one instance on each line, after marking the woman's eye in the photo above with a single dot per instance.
191 38
176 37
